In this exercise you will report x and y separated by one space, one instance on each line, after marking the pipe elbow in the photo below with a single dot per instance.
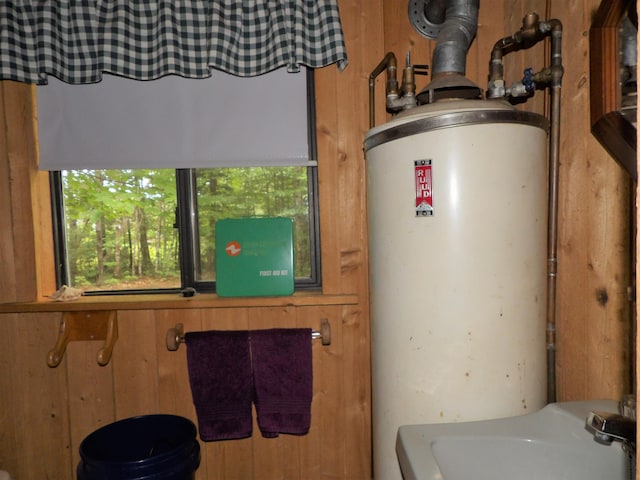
554 25
389 62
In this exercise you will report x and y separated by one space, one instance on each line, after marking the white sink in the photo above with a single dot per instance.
551 444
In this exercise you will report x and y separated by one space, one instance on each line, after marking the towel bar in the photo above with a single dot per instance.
175 335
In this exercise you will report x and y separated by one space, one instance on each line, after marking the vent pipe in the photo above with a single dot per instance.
454 24
456 34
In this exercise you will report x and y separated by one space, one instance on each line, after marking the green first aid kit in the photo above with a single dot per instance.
254 257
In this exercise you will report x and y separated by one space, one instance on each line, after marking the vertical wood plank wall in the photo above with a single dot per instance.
594 272
45 413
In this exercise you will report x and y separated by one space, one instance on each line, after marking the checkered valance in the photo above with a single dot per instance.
78 40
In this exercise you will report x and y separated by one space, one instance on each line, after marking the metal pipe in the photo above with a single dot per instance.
555 27
435 11
531 32
397 98
455 37
390 64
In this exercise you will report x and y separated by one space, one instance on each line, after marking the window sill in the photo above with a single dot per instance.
174 301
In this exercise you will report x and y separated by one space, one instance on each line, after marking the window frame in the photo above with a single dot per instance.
186 223
188 233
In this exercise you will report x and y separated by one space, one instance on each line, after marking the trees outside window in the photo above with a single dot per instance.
142 230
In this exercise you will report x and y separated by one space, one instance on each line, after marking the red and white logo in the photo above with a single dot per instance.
424 188
233 248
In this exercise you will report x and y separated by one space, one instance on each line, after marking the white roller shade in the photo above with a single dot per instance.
174 122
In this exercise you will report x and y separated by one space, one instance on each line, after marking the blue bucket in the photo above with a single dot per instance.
149 447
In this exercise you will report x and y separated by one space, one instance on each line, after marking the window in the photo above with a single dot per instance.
144 228
127 231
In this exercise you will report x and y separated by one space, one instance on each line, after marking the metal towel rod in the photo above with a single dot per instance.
175 335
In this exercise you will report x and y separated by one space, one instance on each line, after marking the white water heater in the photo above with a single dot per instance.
457 207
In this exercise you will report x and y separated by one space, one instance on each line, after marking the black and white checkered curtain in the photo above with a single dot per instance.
78 40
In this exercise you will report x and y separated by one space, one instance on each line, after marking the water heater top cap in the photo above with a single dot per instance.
442 107
450 113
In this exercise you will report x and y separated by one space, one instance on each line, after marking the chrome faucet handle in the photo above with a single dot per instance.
607 427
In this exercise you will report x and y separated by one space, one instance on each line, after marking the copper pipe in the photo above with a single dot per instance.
554 166
390 64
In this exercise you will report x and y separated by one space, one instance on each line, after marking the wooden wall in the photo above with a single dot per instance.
46 412
52 410
594 272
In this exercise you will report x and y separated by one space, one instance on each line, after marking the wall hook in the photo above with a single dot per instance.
77 326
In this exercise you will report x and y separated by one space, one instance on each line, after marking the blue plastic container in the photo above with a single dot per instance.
149 447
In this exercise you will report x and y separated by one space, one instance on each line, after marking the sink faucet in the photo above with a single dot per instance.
608 426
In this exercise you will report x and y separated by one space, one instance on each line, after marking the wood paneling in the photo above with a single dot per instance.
53 409
594 249
37 415
47 412
29 253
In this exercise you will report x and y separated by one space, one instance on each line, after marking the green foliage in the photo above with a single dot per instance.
120 223
253 192
107 213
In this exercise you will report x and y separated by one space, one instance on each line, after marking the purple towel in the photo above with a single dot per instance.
219 364
283 380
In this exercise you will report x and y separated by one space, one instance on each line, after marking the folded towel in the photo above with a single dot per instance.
283 380
219 365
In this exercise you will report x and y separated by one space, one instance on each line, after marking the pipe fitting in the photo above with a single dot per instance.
531 31
427 16
397 97
390 64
